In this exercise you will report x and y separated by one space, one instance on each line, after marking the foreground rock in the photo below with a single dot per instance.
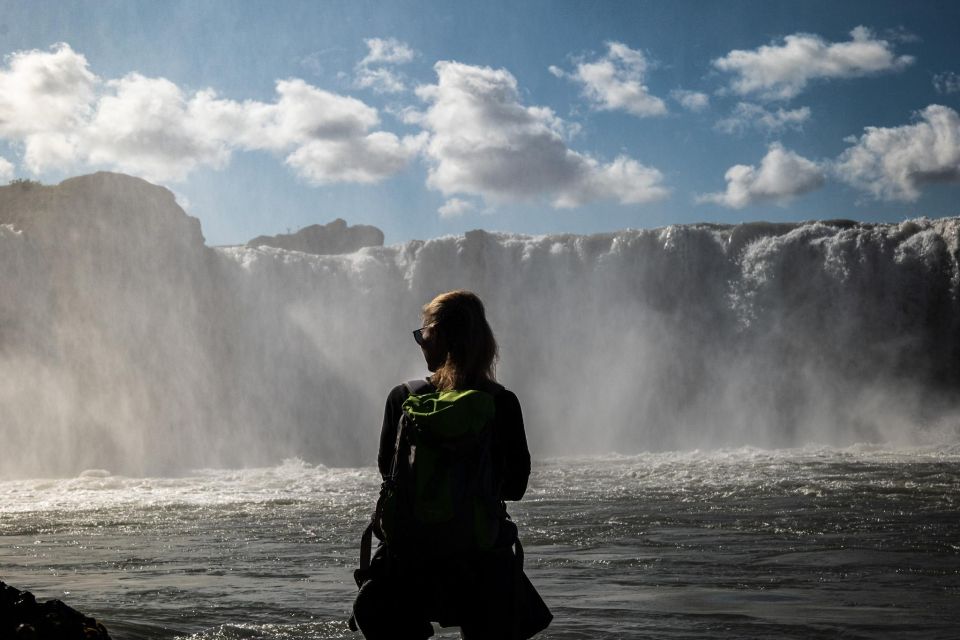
22 617
324 239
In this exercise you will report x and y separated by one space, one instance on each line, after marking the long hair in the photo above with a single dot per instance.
459 318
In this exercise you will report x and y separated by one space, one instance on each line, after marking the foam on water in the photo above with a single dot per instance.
736 470
737 543
98 489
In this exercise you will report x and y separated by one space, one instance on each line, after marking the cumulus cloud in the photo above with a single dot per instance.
615 82
363 159
894 163
64 116
6 169
143 125
484 142
747 115
44 90
947 82
387 51
782 71
303 113
691 100
782 175
372 72
455 207
624 179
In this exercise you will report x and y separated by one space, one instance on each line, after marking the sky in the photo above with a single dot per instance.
434 118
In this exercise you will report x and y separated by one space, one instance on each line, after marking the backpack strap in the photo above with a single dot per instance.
413 387
418 386
366 543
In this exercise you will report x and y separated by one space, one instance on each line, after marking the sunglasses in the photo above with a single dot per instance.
418 334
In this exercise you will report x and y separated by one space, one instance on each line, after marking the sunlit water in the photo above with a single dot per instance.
813 543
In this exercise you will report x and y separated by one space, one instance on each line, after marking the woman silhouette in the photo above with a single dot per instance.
413 579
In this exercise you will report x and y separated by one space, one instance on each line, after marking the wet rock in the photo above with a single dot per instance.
23 618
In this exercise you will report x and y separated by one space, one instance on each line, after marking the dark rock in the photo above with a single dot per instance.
322 239
22 617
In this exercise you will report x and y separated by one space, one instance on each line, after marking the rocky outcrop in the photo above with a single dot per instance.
106 208
323 239
23 618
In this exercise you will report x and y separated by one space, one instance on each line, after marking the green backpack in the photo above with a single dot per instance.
441 496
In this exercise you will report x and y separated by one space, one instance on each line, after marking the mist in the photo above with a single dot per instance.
128 344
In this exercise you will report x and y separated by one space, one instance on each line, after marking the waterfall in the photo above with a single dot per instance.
128 344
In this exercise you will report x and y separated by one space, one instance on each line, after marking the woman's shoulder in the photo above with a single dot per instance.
402 390
497 390
506 399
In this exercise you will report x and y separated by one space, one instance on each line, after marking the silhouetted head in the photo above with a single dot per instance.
458 343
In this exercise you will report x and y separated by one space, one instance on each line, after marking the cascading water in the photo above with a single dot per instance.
128 344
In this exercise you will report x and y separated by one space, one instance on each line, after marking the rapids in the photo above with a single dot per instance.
860 542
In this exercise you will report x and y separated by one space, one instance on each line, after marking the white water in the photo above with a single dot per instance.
805 543
126 344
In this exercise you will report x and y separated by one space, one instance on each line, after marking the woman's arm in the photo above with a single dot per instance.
388 430
511 440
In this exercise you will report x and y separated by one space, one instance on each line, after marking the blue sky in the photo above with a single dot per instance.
431 118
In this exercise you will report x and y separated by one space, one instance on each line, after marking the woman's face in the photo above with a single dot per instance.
434 347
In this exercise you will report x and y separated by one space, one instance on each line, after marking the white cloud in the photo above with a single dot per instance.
371 71
42 91
947 82
379 80
455 207
50 150
624 179
330 135
387 51
691 100
615 82
484 142
894 163
144 126
6 169
303 114
782 175
747 115
406 114
782 71
363 159
65 117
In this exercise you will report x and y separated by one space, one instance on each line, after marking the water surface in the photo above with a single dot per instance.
814 543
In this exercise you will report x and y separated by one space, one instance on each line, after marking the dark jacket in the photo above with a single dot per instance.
510 452
486 593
